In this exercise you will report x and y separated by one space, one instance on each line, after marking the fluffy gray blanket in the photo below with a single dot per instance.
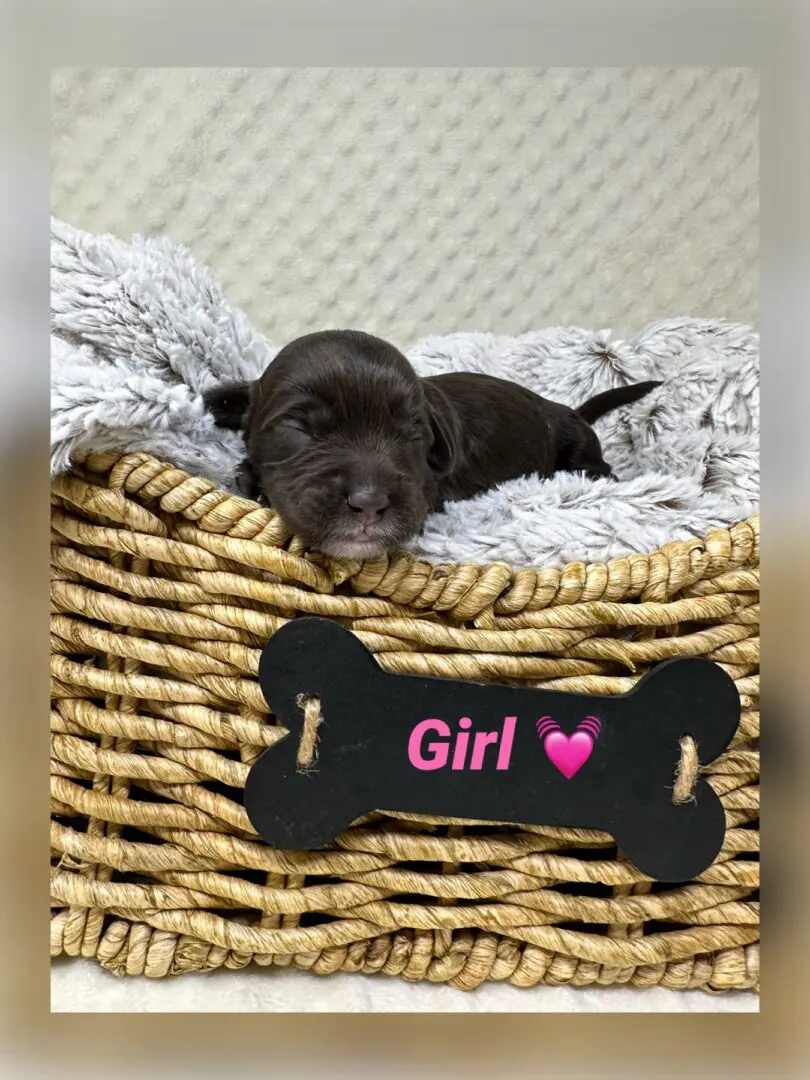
140 330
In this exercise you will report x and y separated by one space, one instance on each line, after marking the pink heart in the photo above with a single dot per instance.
568 753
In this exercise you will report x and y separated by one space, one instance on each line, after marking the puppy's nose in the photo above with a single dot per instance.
368 503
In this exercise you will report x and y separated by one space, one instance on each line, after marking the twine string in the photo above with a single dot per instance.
686 772
313 718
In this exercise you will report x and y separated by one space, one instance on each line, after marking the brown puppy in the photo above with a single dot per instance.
354 450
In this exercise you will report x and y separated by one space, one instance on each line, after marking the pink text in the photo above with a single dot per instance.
455 748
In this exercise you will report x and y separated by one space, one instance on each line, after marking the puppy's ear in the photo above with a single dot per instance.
229 405
445 449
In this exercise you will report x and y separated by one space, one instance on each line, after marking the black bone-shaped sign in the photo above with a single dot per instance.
452 748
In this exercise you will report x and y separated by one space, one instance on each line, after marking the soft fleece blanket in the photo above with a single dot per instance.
139 331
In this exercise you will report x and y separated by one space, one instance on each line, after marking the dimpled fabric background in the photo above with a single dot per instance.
413 202
416 201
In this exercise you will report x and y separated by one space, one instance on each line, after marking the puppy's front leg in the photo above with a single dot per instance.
248 484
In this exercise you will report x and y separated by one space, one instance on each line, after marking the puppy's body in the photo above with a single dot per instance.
353 449
506 431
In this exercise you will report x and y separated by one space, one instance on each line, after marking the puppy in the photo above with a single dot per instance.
353 449
342 440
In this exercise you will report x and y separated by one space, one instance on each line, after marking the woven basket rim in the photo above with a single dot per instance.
470 586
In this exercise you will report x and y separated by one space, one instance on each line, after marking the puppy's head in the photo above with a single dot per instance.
346 442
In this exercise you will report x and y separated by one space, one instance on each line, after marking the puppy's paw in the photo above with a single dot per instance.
603 472
248 483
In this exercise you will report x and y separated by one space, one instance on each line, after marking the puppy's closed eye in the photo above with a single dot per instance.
298 423
306 424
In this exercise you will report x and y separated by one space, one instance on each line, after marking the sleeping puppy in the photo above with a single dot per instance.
353 449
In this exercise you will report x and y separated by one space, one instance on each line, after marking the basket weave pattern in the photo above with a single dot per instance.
165 589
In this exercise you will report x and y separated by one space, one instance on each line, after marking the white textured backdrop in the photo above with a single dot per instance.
409 201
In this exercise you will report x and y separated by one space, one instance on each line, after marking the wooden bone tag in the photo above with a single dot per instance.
362 740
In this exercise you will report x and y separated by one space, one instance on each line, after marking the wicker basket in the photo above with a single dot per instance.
164 591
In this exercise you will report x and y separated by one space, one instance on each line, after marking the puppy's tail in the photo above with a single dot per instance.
228 405
597 406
